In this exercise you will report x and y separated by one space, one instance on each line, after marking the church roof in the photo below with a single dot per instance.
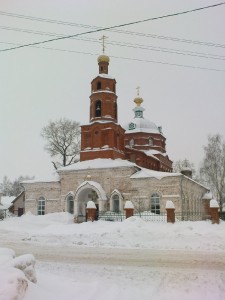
146 173
99 163
139 123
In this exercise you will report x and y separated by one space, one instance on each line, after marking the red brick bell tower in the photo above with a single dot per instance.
102 137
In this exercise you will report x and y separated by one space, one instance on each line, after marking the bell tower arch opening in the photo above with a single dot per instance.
98 108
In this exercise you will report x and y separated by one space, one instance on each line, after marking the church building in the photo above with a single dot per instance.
116 164
141 142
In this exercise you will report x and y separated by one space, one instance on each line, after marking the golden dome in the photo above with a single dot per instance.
138 101
103 58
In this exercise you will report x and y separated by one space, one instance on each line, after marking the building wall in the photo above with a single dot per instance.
168 188
109 179
49 190
192 194
136 190
185 193
19 203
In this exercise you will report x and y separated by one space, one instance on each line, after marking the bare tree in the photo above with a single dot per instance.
180 165
12 188
63 141
213 166
6 186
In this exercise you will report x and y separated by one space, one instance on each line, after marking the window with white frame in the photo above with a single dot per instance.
70 204
155 203
41 206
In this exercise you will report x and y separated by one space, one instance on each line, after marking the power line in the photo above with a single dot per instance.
169 38
116 26
123 44
128 58
66 23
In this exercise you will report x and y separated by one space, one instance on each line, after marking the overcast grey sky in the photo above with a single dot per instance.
38 85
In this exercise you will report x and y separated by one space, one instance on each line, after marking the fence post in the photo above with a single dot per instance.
91 211
170 211
129 209
214 211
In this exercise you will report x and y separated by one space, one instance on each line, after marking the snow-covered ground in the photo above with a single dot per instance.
132 259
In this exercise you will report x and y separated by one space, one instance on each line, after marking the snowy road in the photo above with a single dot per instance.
177 259
125 273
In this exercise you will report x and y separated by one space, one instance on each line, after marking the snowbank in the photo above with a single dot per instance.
15 272
59 228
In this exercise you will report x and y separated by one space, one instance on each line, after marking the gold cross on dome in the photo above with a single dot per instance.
103 38
138 90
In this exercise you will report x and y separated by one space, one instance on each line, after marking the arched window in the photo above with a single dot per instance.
150 141
155 204
98 108
115 110
116 203
41 206
70 204
131 142
99 85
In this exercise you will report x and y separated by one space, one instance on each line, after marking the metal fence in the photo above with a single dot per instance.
222 216
192 216
151 217
111 216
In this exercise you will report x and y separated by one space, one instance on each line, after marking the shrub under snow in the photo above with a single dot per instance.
15 272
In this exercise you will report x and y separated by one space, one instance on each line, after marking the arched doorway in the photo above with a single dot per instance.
88 191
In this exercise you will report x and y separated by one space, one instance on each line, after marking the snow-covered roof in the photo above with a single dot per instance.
145 173
54 177
169 204
91 204
103 91
99 163
154 152
94 120
103 75
6 201
214 203
141 125
128 205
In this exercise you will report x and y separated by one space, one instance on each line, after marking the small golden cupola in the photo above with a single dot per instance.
138 110
103 60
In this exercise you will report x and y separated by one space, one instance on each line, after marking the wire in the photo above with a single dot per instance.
127 58
123 44
116 26
169 38
59 22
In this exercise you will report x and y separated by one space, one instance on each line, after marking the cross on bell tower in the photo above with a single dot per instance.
103 38
138 90
103 60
